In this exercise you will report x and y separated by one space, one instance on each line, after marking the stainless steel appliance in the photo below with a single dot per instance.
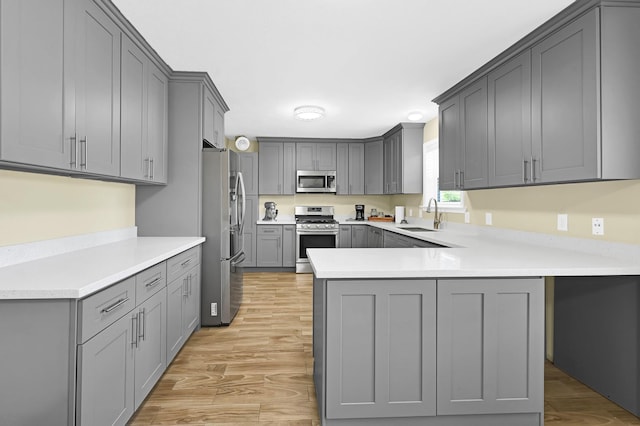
223 213
315 228
359 211
315 181
270 211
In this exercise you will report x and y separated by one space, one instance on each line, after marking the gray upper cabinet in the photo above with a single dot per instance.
373 167
564 103
402 164
249 169
144 99
509 115
350 168
316 156
473 135
96 82
276 168
449 144
490 346
25 82
213 120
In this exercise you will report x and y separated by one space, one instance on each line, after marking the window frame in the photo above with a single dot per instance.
430 178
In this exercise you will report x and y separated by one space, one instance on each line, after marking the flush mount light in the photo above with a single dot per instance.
308 112
415 116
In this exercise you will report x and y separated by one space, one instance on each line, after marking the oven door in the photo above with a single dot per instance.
306 239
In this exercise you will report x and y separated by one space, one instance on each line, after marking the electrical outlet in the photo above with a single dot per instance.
214 309
488 219
563 222
597 226
467 217
410 212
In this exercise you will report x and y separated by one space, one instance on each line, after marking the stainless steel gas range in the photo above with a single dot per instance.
315 228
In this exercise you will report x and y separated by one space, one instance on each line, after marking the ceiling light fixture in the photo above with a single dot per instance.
308 112
415 116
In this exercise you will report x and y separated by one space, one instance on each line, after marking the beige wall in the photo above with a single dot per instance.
36 207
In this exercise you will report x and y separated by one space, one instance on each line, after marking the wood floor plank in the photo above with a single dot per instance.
259 370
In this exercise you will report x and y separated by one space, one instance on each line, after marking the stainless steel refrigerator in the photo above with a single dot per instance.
223 213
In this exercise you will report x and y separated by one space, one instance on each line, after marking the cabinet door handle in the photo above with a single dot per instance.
455 179
147 167
268 231
533 169
83 157
189 284
152 167
153 283
142 324
115 305
134 330
185 290
73 151
461 179
524 171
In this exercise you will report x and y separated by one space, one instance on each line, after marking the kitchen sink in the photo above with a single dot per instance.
415 229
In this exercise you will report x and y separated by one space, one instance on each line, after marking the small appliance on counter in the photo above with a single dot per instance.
359 211
270 211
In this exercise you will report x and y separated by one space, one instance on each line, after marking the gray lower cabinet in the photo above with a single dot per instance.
359 236
380 357
344 236
183 307
288 246
490 346
375 237
269 246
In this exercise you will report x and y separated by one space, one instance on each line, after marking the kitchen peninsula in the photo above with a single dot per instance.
439 336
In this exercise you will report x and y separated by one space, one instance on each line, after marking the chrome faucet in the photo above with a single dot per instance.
437 217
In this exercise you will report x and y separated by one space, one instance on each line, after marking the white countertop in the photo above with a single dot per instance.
80 273
474 253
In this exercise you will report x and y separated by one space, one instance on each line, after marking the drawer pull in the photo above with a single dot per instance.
115 305
153 283
186 262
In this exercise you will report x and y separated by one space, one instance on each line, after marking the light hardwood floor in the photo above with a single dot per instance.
258 371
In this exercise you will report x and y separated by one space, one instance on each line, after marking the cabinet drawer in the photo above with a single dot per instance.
149 281
270 230
182 262
102 309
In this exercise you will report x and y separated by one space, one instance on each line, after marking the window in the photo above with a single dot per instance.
447 200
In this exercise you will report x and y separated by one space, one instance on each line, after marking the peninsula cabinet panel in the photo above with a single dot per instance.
32 82
490 346
565 104
509 132
380 357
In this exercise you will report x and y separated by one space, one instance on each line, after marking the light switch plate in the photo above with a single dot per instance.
488 219
467 217
563 222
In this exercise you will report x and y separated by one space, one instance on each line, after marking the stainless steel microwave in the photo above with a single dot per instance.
315 181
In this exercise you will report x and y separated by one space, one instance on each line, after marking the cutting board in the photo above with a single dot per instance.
381 219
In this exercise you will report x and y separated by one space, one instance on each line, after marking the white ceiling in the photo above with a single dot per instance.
367 62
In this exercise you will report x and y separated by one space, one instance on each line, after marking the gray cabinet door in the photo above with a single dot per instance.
32 81
356 168
373 167
157 123
175 333
208 116
509 117
270 168
449 144
306 156
269 246
390 173
564 103
359 236
289 168
380 356
374 237
133 106
490 345
342 169
344 237
150 353
191 311
97 90
473 135
288 246
326 156
105 392
249 169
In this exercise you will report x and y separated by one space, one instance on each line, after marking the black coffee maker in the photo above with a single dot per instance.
359 211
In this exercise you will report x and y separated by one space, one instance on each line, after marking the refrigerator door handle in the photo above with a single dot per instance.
239 258
241 198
